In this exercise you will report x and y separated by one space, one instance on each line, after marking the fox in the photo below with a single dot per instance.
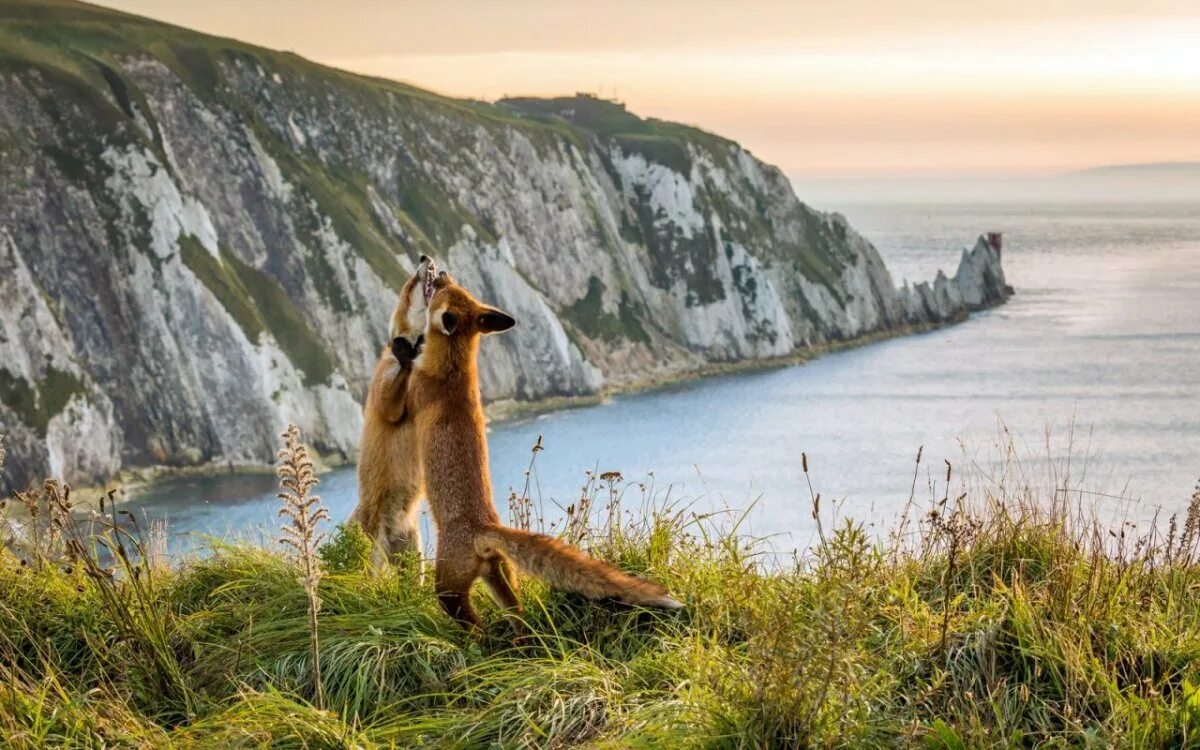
390 486
443 403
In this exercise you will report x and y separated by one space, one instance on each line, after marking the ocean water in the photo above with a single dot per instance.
1102 342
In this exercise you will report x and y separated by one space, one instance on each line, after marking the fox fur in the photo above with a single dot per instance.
444 406
389 471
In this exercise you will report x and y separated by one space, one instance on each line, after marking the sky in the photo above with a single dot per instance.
927 89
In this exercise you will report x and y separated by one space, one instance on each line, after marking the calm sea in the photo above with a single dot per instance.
1104 333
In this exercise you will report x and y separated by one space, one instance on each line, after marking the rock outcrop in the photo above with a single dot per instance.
200 239
977 285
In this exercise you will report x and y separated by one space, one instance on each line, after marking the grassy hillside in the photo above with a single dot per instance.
83 42
74 37
997 619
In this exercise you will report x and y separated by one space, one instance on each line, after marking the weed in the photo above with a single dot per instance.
303 511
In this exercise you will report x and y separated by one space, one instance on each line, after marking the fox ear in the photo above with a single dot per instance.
492 320
448 322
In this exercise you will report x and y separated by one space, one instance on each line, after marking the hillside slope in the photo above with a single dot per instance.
199 240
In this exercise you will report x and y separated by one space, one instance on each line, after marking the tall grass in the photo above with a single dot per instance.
997 613
304 513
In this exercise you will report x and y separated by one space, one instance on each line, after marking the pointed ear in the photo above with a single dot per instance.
492 320
448 321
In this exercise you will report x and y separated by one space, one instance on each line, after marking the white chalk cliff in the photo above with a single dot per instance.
200 241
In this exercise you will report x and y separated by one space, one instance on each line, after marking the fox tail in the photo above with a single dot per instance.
564 567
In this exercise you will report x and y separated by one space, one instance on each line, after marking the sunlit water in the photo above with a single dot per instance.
1105 330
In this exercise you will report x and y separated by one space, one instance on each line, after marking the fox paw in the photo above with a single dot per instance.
406 351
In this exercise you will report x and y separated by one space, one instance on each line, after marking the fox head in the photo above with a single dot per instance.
454 323
408 319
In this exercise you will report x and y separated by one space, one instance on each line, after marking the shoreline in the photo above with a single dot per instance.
129 481
509 410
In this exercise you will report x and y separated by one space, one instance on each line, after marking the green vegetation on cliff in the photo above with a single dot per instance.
589 316
257 303
35 404
655 140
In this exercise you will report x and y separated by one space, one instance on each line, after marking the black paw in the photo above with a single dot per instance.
404 350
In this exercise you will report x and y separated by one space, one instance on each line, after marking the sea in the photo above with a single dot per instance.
1092 369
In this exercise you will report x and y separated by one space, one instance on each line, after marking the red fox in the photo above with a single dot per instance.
444 405
389 474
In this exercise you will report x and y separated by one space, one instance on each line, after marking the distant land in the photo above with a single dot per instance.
1152 182
1151 169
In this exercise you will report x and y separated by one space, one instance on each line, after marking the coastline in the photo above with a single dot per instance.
505 411
133 479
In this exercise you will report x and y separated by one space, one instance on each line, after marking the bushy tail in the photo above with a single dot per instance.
564 567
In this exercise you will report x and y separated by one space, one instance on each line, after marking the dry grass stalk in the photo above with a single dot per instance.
815 498
38 537
1191 529
520 507
613 479
304 512
577 515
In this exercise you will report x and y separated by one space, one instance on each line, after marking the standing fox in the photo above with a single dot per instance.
443 403
389 474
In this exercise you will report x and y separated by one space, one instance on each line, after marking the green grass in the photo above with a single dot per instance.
220 279
1001 619
35 404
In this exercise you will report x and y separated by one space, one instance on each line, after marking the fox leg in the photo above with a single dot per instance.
368 519
502 583
389 518
404 537
453 576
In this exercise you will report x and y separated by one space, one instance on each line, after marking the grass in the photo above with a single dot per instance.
996 613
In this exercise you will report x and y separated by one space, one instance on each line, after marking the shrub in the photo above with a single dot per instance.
348 549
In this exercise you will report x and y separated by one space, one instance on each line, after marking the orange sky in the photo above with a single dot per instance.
924 87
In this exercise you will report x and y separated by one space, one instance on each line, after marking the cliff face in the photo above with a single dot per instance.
199 241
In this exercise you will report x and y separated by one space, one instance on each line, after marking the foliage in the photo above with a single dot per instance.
348 549
997 615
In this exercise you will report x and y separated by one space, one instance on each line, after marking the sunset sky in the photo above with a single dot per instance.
921 88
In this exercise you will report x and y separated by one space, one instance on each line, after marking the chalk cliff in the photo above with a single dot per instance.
200 239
